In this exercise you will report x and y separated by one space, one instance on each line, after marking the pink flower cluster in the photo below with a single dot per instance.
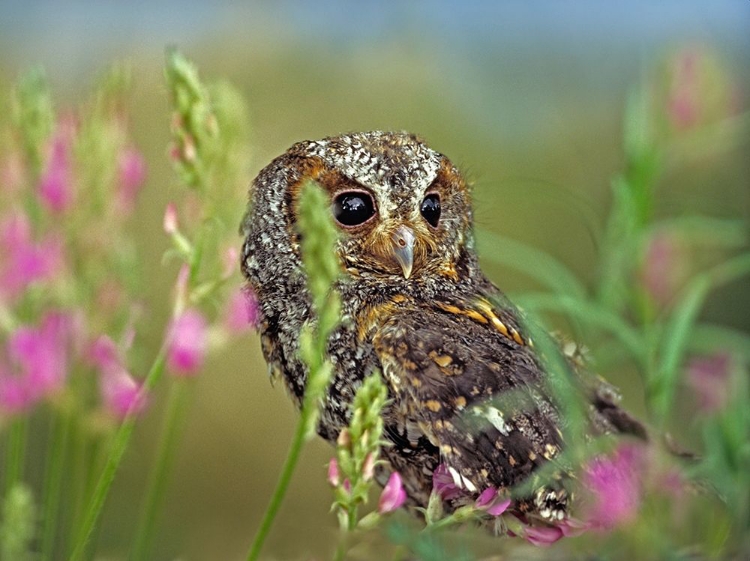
121 394
392 497
612 485
37 362
24 261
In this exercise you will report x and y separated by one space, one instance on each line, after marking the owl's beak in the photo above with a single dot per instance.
403 248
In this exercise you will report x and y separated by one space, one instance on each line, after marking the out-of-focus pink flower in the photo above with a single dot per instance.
56 183
699 89
683 106
443 484
393 495
242 311
21 260
542 536
368 468
15 397
490 501
664 267
170 219
186 343
42 354
572 527
121 393
709 377
614 485
333 473
486 497
230 261
38 359
132 168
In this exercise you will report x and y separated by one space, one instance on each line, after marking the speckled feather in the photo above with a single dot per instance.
465 385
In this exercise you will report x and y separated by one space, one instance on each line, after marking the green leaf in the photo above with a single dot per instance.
661 389
679 327
537 264
590 314
708 338
703 230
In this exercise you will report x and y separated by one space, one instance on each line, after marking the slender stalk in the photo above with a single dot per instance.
174 422
116 453
284 479
60 432
16 452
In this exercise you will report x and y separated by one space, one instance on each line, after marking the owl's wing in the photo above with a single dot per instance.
467 378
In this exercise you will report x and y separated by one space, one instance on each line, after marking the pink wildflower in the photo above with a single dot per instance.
663 268
187 343
443 484
242 311
572 527
121 393
132 168
683 106
368 468
615 486
542 536
393 495
39 363
170 219
230 259
709 378
333 473
14 393
56 185
21 260
490 501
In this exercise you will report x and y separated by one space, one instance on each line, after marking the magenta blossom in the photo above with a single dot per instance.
121 393
443 484
490 501
709 377
393 495
664 267
21 260
333 473
38 358
614 484
56 184
132 168
542 536
170 219
186 343
242 311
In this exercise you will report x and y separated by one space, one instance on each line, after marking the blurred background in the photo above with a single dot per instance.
526 97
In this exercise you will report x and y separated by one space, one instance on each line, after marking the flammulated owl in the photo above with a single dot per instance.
416 307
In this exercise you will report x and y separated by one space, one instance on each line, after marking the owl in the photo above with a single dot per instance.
467 390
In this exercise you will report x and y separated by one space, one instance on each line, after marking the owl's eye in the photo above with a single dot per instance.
431 209
353 208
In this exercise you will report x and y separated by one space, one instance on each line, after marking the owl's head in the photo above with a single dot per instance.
403 210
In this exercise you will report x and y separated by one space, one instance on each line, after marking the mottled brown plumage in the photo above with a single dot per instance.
466 387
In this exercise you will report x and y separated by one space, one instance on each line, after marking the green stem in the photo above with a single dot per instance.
174 422
60 432
116 453
283 484
16 452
